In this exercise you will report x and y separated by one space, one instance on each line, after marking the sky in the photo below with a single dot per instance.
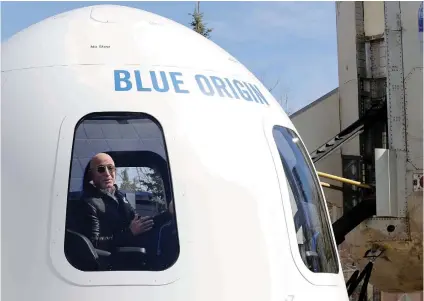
291 44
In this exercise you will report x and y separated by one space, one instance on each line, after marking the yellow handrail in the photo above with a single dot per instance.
324 184
343 180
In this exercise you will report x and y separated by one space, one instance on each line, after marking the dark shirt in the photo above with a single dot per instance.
105 218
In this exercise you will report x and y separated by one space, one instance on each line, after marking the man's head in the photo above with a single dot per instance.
102 171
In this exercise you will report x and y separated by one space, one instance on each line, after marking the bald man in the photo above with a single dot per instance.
108 219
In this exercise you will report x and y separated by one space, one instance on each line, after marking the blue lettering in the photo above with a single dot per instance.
232 88
250 91
119 80
258 94
220 86
208 85
176 82
243 93
155 81
210 91
139 83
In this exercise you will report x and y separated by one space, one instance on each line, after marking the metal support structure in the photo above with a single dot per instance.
381 82
372 116
396 113
351 219
395 77
371 94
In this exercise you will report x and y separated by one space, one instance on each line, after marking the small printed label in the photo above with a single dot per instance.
100 46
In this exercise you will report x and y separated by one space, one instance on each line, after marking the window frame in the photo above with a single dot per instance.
59 198
321 279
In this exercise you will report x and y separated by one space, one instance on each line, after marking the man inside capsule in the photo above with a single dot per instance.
107 218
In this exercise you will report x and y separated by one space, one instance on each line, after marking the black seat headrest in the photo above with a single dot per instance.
80 252
86 177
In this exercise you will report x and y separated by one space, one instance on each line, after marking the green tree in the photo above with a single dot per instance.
126 183
147 180
152 182
197 22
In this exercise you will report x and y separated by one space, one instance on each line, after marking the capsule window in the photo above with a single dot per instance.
311 222
120 211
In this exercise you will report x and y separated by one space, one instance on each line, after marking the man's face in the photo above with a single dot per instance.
103 171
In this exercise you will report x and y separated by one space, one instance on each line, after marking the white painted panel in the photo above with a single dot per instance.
373 17
386 182
413 83
348 80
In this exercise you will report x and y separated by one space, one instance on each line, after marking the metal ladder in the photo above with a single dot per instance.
372 116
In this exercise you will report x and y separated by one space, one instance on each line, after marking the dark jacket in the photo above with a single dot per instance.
105 219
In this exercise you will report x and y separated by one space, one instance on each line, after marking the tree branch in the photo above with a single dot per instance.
276 84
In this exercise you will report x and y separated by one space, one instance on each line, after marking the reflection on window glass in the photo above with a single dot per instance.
144 189
120 204
312 226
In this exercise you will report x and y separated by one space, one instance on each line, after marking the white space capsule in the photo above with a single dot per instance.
170 107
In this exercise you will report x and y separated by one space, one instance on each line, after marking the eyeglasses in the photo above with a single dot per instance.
102 168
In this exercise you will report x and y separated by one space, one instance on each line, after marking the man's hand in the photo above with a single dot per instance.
141 224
